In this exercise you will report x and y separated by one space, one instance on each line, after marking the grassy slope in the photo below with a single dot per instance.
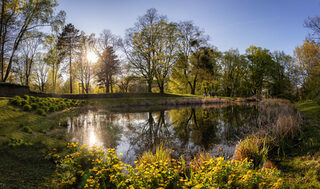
25 166
301 167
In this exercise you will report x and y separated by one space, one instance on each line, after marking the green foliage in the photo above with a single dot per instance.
96 168
154 170
27 129
89 168
52 108
46 105
13 142
207 172
41 112
27 108
22 17
34 106
253 148
26 97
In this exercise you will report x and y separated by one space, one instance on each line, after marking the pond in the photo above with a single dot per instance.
214 129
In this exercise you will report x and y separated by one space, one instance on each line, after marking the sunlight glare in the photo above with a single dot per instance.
92 57
92 139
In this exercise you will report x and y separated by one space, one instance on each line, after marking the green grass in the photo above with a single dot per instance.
25 139
301 166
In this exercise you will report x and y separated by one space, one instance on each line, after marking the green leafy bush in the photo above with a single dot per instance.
41 112
23 102
13 142
27 129
34 106
46 104
52 109
26 97
27 108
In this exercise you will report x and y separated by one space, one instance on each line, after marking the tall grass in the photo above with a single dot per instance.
277 123
253 148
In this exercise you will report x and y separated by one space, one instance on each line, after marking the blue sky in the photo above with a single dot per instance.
271 24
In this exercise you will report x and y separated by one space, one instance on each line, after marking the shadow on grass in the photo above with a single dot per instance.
24 167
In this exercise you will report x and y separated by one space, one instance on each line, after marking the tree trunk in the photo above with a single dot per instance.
53 79
193 90
149 86
82 86
70 67
161 87
107 87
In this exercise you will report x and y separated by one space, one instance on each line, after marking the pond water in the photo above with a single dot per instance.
186 130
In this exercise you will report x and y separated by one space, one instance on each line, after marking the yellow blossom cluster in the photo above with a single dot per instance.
98 168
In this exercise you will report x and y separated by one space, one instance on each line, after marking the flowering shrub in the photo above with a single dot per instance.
207 172
154 171
98 168
89 168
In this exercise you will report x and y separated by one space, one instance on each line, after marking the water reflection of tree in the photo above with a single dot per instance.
186 130
146 136
210 126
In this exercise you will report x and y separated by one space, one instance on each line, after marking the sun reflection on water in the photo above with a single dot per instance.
92 138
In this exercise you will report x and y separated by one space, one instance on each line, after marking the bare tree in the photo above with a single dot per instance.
313 23
41 71
84 68
29 49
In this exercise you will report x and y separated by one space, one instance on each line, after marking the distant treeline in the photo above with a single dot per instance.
156 55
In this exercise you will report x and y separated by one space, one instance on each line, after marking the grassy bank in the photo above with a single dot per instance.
25 139
301 165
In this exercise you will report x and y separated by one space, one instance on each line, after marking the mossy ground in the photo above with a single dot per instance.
301 165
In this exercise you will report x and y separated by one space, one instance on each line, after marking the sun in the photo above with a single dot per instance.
92 57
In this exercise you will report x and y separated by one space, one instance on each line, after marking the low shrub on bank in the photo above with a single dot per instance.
253 148
27 129
89 168
27 108
97 168
43 105
207 172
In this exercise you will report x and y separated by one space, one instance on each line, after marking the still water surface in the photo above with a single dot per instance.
214 129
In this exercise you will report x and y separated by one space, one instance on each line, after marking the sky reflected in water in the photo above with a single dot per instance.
185 130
